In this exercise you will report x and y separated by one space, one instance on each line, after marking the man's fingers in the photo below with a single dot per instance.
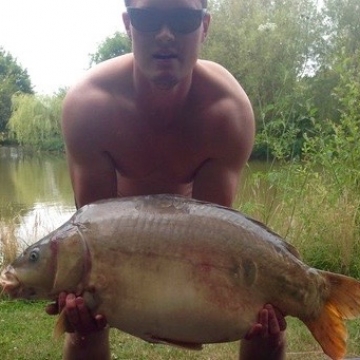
276 320
270 322
264 321
61 301
101 322
281 319
86 321
71 310
253 332
274 326
81 318
56 307
52 309
78 316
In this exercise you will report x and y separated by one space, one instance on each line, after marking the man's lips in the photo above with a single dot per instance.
164 56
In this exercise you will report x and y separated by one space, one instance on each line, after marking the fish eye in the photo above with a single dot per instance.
34 255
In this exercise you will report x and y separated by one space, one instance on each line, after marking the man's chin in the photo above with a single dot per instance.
165 82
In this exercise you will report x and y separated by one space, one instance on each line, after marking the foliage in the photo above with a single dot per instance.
343 26
288 56
13 78
35 121
282 138
267 45
337 145
341 30
316 200
115 45
5 104
319 89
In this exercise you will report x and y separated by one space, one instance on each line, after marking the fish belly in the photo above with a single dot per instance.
176 300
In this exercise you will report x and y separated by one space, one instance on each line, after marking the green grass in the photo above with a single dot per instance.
26 334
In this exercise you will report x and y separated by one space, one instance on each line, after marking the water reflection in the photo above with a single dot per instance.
35 193
39 221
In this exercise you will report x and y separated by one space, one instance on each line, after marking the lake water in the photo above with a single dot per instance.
36 195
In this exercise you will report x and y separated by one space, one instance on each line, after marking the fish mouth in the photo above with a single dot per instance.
9 282
11 286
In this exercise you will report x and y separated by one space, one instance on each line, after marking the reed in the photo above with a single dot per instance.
9 246
303 206
19 232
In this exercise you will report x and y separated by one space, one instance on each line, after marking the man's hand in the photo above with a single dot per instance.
79 318
271 322
266 339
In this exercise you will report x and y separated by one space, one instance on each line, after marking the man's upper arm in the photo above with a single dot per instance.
91 169
217 179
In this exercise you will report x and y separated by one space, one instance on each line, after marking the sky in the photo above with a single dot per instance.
52 39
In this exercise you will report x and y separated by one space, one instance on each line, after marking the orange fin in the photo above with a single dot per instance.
60 326
180 344
343 303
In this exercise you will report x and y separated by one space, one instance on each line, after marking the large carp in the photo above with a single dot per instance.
175 270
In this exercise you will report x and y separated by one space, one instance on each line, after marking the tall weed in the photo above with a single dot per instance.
8 244
315 201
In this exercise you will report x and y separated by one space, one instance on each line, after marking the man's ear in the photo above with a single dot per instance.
206 23
126 21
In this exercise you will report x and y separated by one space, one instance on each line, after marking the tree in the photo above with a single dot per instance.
267 45
115 45
343 22
270 46
35 121
13 79
337 59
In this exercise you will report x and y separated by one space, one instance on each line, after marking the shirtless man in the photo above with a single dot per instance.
159 120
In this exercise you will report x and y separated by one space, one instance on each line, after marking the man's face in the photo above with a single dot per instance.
166 36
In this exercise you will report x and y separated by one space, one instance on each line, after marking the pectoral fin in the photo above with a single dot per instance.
62 325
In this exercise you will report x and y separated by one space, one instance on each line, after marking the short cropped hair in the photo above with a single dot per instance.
203 3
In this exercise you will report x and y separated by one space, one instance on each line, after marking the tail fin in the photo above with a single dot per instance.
343 303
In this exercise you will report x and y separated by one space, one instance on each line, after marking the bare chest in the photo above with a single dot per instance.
163 159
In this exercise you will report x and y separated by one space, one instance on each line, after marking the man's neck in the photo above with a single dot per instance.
162 99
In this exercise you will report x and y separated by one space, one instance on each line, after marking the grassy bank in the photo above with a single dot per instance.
26 334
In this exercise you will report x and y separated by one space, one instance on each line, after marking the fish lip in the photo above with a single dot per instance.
14 288
9 282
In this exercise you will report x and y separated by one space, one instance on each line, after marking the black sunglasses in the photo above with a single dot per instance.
179 20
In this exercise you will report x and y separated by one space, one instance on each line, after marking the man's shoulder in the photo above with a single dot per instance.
213 71
101 85
218 81
226 109
220 90
208 64
105 78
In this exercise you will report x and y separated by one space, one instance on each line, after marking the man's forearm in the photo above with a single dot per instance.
94 346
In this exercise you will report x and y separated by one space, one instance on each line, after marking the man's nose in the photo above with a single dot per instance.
165 34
